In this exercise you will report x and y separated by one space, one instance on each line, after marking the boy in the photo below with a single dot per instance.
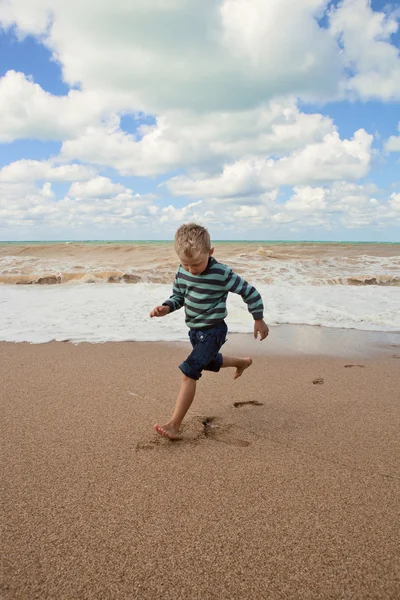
202 285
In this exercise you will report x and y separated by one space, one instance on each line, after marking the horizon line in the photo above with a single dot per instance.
300 241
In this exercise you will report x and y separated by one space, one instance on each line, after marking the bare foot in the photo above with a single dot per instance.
247 362
168 431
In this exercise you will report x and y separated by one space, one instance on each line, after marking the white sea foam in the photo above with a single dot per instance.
103 312
333 285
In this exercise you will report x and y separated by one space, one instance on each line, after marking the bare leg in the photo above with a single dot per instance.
236 361
183 402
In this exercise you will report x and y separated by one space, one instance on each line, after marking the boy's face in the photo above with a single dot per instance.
196 265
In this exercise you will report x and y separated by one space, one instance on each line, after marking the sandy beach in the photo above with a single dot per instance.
286 484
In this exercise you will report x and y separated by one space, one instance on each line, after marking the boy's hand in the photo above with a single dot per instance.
260 327
160 311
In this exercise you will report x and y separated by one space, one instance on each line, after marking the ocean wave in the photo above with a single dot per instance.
366 280
288 264
156 276
46 278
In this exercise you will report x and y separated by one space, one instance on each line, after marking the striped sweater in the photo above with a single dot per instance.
204 296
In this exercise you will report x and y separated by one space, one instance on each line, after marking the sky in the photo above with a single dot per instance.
260 119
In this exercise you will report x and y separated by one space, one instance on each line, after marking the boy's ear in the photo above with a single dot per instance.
211 251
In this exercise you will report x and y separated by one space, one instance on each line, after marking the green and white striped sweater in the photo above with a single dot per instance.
204 296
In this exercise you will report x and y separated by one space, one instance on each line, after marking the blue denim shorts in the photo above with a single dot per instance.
205 355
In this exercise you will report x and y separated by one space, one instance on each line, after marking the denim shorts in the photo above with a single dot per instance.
205 355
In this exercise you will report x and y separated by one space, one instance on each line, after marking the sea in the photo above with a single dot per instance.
102 291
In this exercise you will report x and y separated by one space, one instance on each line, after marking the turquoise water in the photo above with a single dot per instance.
156 242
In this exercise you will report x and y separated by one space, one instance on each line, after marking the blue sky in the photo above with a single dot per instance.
125 125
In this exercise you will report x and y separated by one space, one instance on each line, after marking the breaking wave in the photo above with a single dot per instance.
288 264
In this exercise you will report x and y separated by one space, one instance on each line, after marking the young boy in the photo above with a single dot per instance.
202 285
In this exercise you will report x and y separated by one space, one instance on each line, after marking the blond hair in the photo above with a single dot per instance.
191 240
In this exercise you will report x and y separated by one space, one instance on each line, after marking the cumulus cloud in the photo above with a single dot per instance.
393 143
349 204
373 63
394 202
189 212
214 56
328 160
99 187
343 204
23 204
201 54
231 214
28 111
331 159
307 199
340 204
32 170
238 179
185 139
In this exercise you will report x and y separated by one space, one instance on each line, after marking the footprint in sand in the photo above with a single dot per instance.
395 355
318 381
147 445
349 366
200 430
224 434
253 402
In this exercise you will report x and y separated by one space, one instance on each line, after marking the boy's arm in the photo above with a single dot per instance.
237 285
175 301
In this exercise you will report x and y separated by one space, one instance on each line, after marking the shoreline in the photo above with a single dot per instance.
314 340
284 340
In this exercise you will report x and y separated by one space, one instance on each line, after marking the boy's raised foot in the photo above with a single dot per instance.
168 431
247 362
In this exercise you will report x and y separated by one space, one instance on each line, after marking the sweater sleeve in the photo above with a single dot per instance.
236 284
175 301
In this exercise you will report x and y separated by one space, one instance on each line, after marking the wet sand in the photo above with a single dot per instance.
286 484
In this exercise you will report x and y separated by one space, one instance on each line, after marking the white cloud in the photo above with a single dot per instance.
254 30
27 204
349 204
197 54
99 187
214 56
27 111
340 204
224 214
373 62
393 143
172 214
328 160
331 159
306 199
395 202
186 139
33 170
32 18
245 212
238 179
